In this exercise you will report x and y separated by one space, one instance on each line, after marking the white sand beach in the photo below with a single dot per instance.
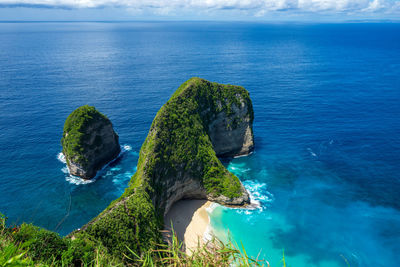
190 221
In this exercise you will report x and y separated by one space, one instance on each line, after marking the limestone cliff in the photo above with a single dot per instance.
179 160
89 141
231 133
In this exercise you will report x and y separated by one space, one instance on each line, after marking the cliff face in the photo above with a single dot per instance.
179 160
89 141
232 134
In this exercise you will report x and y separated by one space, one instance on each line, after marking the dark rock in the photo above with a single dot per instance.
89 142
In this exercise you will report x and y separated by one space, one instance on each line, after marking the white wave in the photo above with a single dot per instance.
311 152
241 156
126 148
72 179
65 170
259 196
79 181
61 158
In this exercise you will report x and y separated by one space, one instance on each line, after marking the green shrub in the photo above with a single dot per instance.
42 245
131 222
80 252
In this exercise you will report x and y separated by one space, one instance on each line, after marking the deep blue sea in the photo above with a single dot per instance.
326 167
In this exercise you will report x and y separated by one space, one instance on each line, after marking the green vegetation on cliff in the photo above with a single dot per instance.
28 245
179 137
177 146
75 131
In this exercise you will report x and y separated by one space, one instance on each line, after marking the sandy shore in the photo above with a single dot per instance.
190 221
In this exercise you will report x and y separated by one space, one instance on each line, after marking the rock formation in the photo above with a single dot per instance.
232 134
179 160
89 141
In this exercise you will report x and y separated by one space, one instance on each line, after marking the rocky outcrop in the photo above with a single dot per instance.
232 134
89 142
179 160
224 116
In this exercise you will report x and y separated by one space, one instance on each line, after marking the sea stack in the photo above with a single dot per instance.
89 142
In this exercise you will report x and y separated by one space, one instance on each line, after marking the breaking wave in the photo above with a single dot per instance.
79 181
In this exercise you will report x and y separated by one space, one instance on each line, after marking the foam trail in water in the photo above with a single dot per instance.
126 148
311 152
245 155
239 169
79 181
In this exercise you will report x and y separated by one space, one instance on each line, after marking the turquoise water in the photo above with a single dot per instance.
309 218
325 171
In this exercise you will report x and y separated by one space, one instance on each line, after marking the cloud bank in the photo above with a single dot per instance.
254 7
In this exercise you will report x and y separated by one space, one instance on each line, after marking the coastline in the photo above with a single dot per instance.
190 221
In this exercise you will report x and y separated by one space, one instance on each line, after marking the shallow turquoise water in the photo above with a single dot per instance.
308 213
326 98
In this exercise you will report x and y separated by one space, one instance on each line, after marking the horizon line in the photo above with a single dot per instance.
200 20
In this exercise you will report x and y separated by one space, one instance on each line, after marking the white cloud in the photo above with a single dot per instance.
254 7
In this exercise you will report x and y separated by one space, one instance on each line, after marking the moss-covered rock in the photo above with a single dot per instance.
178 160
89 141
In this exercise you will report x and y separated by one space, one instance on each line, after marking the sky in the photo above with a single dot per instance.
247 10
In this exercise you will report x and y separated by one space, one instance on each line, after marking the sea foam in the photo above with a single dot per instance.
260 198
79 181
61 158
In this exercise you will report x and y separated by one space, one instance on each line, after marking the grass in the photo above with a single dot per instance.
15 252
213 253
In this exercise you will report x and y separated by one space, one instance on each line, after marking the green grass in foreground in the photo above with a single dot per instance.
28 245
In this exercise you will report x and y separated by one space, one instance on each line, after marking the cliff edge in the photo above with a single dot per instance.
89 141
178 159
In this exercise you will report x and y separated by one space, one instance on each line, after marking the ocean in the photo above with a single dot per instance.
326 165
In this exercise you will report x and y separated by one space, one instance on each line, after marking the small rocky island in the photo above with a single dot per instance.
89 142
178 160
